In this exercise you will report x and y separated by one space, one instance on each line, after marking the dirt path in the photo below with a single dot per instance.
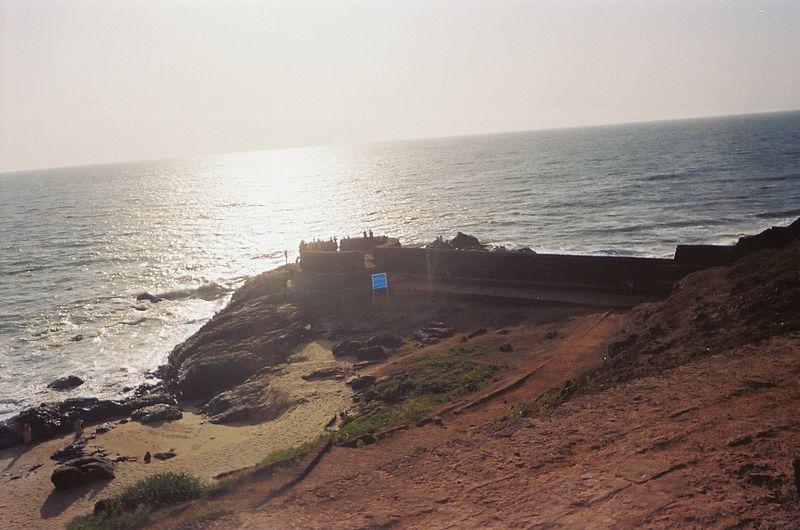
705 445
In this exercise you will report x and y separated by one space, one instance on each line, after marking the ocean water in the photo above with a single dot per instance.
78 244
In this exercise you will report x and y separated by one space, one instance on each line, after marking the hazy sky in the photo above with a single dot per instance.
84 82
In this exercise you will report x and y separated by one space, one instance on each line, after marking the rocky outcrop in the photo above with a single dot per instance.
54 419
775 237
65 383
464 241
80 471
249 334
253 401
157 413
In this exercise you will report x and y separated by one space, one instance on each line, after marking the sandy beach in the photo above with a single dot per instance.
204 449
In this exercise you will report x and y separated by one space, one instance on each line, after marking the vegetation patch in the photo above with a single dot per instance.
138 504
426 381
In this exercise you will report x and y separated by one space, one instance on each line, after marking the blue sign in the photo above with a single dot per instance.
380 281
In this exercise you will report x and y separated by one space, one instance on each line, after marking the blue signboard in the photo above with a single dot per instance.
380 281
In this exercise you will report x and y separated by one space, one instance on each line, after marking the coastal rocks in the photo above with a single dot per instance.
464 241
461 241
67 382
347 348
233 345
434 331
148 297
253 401
53 419
71 451
369 351
324 373
80 471
361 382
157 413
384 339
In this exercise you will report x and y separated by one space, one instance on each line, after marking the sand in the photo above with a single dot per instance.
27 497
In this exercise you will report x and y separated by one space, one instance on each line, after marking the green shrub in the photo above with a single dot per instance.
133 508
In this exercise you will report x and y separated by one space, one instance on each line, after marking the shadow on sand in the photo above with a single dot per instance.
58 501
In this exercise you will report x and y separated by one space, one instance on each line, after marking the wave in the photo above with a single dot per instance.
778 214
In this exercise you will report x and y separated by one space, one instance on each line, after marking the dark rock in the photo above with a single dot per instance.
156 413
250 334
796 466
551 334
464 241
148 297
347 348
255 400
477 333
370 354
80 471
66 382
166 455
775 237
65 477
71 451
324 373
386 340
526 250
103 428
360 382
502 332
147 457
506 347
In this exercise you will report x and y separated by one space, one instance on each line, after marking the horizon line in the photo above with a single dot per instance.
398 139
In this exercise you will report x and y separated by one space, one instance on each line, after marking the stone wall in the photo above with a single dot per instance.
330 262
563 271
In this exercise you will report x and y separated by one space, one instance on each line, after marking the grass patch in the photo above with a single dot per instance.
137 505
427 381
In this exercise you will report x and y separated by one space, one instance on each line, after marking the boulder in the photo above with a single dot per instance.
253 401
347 348
65 383
157 413
477 333
360 382
80 471
323 373
148 297
464 241
373 353
246 336
166 455
386 340
506 347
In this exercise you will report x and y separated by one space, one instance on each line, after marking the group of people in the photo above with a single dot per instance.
317 244
332 244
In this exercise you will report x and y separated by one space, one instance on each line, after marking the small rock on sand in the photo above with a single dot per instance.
65 383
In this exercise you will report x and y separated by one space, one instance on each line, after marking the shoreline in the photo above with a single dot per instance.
261 366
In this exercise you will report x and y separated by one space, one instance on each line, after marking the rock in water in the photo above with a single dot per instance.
65 383
464 241
149 297
154 413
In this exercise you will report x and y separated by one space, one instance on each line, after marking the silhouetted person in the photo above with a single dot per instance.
147 457
365 234
286 256
370 234
77 425
27 434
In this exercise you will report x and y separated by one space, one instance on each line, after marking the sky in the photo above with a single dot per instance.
86 82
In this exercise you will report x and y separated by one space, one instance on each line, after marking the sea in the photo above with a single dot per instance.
78 244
